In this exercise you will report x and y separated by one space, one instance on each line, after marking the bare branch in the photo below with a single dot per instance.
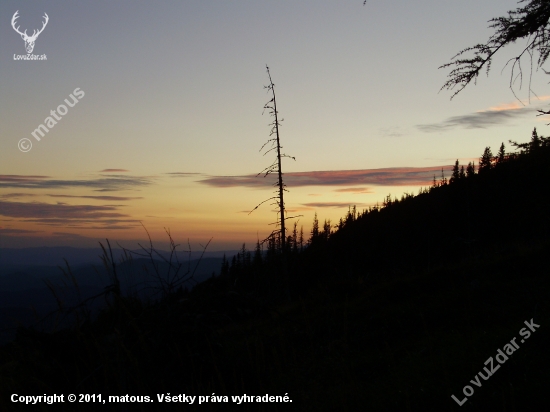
261 203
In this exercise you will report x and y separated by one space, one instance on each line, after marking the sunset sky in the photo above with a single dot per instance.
169 124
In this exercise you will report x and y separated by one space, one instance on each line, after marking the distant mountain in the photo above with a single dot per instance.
54 256
50 255
26 298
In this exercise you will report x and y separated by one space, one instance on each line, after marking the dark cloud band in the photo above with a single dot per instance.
477 120
398 176
44 182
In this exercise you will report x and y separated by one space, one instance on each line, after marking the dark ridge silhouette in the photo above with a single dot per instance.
394 308
501 204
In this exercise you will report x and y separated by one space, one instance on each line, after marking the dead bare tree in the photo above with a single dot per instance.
274 144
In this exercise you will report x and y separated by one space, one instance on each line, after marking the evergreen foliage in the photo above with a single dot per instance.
471 169
456 173
486 160
530 22
501 155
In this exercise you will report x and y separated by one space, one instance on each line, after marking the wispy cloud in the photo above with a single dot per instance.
338 205
397 176
21 178
493 116
101 184
355 190
478 120
108 198
46 210
17 195
109 226
392 131
66 215
113 170
11 231
183 174
68 236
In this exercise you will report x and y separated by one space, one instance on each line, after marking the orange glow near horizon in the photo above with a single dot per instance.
42 210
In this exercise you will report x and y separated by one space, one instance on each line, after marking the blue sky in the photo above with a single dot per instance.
169 129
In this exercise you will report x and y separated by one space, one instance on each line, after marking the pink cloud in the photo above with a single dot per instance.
395 176
354 190
335 204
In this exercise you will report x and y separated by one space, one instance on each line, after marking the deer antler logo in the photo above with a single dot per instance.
29 40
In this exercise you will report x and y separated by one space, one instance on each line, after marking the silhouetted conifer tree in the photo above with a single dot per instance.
462 174
246 259
340 224
533 145
443 181
531 21
486 160
501 155
352 214
272 248
235 265
471 169
225 266
326 230
257 254
314 229
535 141
456 173
295 238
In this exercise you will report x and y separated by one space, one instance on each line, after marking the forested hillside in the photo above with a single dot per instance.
397 307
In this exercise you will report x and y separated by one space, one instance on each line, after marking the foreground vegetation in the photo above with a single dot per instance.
396 308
